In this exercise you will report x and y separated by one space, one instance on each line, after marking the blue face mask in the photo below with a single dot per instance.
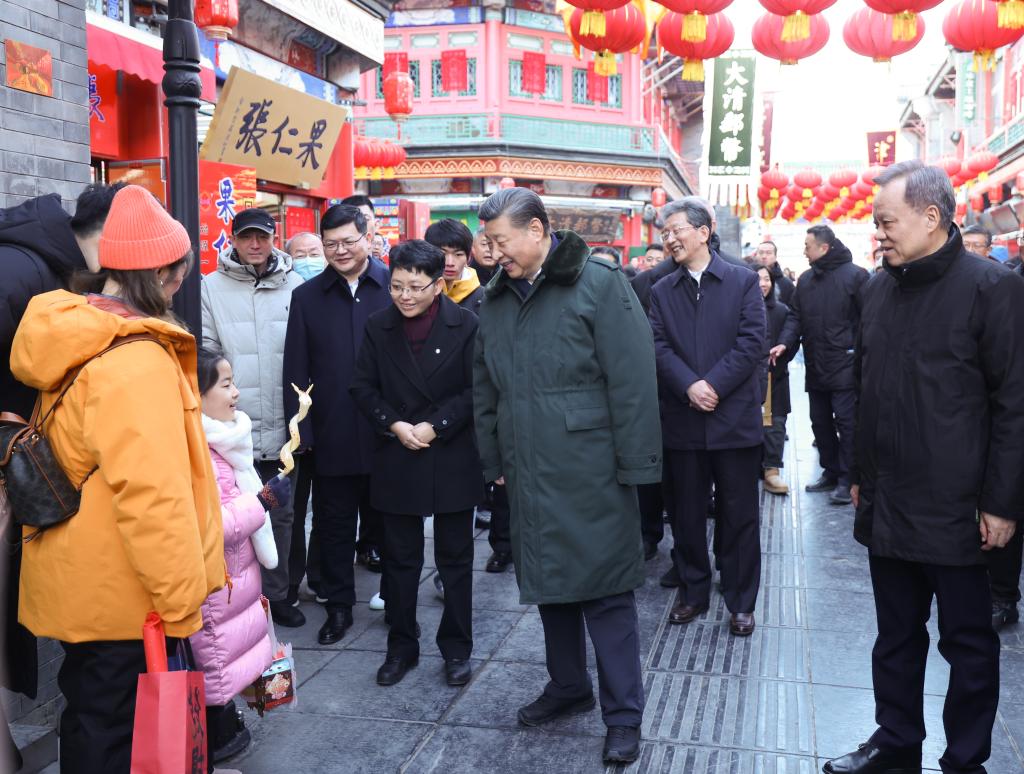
307 268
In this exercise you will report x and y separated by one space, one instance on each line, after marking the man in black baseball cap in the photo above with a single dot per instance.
252 233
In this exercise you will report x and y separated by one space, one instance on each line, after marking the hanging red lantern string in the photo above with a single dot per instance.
626 28
972 26
696 13
870 33
767 38
840 181
805 181
950 165
593 20
982 162
797 14
718 38
904 13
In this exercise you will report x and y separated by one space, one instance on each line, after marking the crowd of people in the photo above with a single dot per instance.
516 380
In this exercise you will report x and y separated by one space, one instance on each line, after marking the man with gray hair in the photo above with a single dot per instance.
565 398
937 481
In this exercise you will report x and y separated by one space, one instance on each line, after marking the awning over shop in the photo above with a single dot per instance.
120 47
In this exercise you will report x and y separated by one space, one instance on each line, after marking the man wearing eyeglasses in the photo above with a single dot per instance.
245 310
325 330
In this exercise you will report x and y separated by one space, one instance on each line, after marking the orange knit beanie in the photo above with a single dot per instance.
140 234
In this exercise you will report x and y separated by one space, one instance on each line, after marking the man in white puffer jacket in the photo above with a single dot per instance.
245 315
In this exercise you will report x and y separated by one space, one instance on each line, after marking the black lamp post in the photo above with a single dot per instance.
182 87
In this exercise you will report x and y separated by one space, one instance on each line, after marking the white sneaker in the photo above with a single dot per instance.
376 603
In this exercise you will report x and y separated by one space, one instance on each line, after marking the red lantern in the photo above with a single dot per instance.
807 178
950 165
904 23
763 194
398 93
718 38
840 182
995 194
797 14
696 13
870 33
973 25
977 203
659 197
217 18
626 29
775 181
594 21
982 162
767 38
869 176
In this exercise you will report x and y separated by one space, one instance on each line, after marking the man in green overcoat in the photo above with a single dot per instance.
566 409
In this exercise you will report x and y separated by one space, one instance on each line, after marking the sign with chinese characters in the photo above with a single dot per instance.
104 126
881 148
29 68
341 20
731 132
592 225
966 89
224 191
286 135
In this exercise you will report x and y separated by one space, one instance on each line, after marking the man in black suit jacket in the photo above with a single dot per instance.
414 382
325 329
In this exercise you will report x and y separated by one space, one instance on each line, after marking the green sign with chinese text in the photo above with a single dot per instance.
731 132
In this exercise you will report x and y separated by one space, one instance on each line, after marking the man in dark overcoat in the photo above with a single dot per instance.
937 480
566 413
326 323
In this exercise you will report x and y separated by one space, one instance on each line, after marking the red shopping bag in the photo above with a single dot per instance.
170 713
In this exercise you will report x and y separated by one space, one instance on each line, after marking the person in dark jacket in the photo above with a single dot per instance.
709 337
41 247
565 401
778 371
414 382
460 282
937 480
768 256
978 241
824 315
326 323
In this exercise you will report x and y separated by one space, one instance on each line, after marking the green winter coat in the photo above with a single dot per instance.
566 404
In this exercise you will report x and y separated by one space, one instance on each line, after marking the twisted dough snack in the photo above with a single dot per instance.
293 429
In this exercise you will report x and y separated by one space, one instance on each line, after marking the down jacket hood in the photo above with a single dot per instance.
42 225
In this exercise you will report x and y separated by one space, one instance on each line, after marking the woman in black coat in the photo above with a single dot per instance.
775 436
414 381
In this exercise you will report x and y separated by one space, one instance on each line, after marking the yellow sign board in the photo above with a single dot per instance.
286 135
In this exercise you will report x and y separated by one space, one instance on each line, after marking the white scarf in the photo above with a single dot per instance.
233 442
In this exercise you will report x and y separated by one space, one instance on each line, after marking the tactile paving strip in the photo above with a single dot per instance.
656 758
773 653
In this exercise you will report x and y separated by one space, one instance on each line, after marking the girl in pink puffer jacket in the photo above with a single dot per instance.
233 648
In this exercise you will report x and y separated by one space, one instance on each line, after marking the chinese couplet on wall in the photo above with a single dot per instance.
731 131
534 73
224 191
454 70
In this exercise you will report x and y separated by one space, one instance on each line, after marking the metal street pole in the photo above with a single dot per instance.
182 87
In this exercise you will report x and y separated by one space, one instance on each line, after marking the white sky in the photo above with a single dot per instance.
825 104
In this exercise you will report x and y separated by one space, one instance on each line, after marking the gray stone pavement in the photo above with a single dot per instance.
780 702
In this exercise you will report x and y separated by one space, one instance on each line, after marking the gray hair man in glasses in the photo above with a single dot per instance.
325 330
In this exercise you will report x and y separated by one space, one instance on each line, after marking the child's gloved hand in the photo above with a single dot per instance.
276 493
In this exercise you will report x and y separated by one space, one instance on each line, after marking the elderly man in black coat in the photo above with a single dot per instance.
710 343
824 314
937 480
414 382
326 323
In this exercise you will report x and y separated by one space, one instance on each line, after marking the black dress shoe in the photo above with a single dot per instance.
284 614
394 668
457 671
823 484
622 744
841 495
373 563
741 624
868 759
1004 613
547 708
650 550
499 562
483 519
334 628
683 613
670 578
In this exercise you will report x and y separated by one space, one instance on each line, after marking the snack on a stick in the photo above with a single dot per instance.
293 430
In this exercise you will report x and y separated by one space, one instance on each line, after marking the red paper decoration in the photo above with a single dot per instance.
454 70
871 33
719 35
217 18
973 25
597 84
767 38
534 73
395 61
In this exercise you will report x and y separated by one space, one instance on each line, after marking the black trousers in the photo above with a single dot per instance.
338 502
1004 566
737 530
903 597
500 534
832 418
453 555
303 562
99 680
615 631
275 582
